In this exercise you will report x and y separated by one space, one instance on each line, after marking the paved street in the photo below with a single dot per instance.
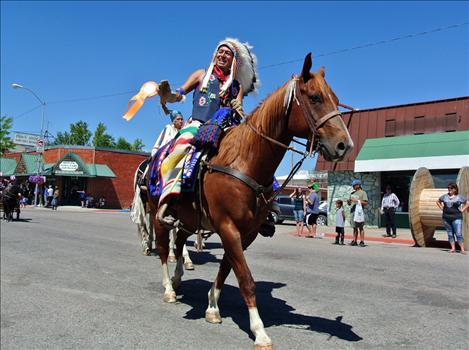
77 280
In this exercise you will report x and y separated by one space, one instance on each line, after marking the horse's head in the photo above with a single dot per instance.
316 114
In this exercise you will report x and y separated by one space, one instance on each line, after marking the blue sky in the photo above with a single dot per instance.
73 50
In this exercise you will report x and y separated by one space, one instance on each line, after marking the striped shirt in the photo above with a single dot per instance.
390 200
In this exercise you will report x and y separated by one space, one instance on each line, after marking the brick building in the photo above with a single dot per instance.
100 172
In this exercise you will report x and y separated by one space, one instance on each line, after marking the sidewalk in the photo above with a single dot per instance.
404 236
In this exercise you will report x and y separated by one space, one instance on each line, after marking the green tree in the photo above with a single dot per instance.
138 145
101 139
6 142
123 144
63 138
79 133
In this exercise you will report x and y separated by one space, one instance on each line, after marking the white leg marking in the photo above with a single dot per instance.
257 327
169 293
212 314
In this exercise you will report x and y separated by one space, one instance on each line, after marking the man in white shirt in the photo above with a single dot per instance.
389 204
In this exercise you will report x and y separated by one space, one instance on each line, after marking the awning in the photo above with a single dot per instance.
7 166
448 150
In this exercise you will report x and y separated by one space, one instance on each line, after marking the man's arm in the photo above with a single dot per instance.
193 81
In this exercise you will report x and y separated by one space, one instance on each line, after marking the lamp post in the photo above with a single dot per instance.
41 136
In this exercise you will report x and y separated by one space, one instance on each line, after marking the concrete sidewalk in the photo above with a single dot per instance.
404 236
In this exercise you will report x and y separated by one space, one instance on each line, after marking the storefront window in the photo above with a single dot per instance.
400 182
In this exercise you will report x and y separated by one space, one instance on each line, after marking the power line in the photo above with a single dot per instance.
363 46
91 97
376 43
24 113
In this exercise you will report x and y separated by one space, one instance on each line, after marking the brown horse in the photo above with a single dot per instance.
305 107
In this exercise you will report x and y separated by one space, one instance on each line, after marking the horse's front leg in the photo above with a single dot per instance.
162 247
231 239
212 314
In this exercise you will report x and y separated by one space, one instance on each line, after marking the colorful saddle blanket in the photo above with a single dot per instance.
174 168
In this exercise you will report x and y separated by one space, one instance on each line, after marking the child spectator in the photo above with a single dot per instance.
339 222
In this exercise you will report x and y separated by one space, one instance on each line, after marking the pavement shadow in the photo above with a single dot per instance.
205 256
274 311
17 220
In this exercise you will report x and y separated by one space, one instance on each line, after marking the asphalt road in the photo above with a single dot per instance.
77 280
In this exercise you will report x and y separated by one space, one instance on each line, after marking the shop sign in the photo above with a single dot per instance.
26 139
68 166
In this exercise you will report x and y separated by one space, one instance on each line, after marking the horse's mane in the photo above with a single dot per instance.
242 139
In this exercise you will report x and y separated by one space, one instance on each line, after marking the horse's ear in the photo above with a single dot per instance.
307 68
322 71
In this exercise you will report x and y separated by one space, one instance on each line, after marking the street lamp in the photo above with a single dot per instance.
41 136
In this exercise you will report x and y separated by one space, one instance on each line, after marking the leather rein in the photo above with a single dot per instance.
314 125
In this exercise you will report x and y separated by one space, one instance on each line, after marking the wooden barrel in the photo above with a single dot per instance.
424 214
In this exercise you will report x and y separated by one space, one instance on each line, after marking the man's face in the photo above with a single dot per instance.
178 122
224 58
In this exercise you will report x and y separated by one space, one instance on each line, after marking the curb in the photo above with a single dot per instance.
370 238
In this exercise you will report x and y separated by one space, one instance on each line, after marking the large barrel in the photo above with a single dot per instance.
424 214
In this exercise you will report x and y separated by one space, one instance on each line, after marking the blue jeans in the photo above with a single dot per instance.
299 215
454 227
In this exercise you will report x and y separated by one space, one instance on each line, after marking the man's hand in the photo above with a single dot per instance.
166 95
237 106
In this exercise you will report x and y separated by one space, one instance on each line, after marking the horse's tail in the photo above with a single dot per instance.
138 214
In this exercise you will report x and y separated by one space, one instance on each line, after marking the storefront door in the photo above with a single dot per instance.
70 186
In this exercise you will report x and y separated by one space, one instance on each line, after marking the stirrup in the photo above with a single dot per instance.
167 221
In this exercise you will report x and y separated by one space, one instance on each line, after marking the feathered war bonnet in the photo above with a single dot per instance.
243 67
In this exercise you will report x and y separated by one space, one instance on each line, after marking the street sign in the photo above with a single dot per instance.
26 139
40 145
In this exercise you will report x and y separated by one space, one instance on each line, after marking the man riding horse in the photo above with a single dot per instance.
230 76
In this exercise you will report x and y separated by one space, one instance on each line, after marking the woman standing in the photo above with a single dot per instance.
453 205
298 211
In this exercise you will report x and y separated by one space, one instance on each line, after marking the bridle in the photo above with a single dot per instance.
293 93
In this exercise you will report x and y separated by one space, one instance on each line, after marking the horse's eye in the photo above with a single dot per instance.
316 98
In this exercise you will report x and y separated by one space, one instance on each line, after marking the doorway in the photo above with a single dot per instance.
70 186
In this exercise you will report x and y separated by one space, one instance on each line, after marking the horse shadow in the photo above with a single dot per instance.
204 256
274 311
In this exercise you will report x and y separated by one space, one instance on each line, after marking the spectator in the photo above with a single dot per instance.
82 195
339 222
389 204
312 209
50 195
453 205
102 202
89 201
44 196
55 198
298 210
312 182
358 199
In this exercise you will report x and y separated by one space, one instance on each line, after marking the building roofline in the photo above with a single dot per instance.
95 148
409 104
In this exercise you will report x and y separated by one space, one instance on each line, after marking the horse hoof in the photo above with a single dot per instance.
172 259
146 252
189 265
263 347
169 297
212 317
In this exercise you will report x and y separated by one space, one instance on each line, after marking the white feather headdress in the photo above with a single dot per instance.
243 68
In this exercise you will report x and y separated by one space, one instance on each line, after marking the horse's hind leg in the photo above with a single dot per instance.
172 241
212 314
188 265
181 238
